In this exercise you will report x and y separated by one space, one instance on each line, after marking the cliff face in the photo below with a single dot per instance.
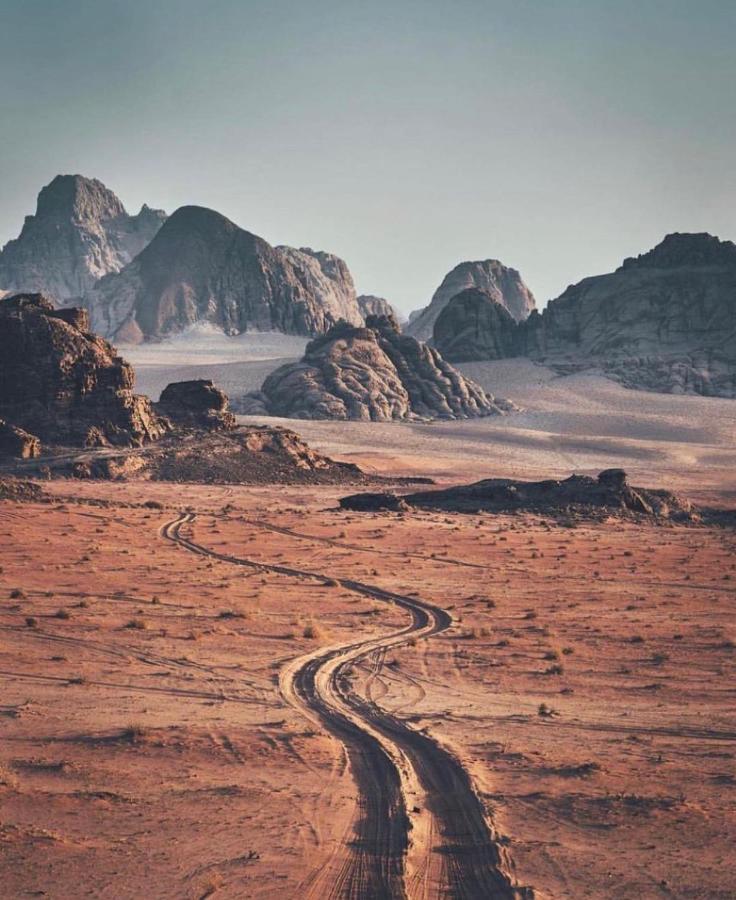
665 321
64 385
201 267
80 232
371 373
503 284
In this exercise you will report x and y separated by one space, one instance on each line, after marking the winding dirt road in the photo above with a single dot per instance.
422 832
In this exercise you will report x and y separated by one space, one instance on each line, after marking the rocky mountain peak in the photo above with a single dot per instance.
79 233
504 284
79 199
678 250
201 267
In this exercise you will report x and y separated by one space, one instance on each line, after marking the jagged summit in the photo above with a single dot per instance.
665 321
681 249
80 198
79 233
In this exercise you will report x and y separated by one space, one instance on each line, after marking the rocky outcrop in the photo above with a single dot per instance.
372 373
474 326
502 283
63 384
16 442
196 404
609 494
80 232
369 305
201 267
664 321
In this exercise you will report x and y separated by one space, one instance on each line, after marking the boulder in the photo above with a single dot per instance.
197 403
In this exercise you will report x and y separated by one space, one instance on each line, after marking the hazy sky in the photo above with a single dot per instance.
557 136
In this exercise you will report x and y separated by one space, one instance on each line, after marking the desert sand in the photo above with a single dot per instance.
204 687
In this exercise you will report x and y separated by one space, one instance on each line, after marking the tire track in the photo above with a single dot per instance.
414 794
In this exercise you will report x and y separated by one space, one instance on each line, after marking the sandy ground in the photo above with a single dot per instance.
238 364
147 750
586 683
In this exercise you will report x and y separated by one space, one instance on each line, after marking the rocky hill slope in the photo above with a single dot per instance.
62 384
201 267
503 284
664 321
371 373
80 232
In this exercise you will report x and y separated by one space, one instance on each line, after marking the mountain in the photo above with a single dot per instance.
201 267
663 321
504 285
472 326
371 373
80 232
370 305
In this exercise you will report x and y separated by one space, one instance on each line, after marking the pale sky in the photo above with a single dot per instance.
557 136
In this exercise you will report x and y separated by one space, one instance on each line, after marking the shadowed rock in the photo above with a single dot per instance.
64 384
201 267
502 283
371 373
474 326
198 404
16 442
578 495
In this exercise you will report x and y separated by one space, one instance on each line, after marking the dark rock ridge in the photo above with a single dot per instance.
578 495
503 284
64 385
475 326
201 267
370 305
80 232
371 373
664 321
198 404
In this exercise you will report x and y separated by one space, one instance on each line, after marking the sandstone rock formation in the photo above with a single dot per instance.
63 384
576 496
474 326
198 404
16 442
79 233
371 373
504 285
201 267
370 305
665 321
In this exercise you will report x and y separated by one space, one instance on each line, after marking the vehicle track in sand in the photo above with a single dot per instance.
422 830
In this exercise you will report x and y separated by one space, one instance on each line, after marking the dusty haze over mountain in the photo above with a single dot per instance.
559 138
